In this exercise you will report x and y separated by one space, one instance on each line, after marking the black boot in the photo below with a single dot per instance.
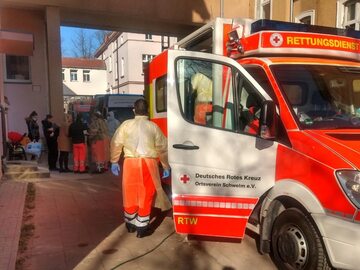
130 227
144 231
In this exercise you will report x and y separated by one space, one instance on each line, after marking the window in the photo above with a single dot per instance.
263 9
148 36
307 17
146 58
17 68
110 63
321 96
165 42
63 74
160 94
206 93
73 75
122 67
86 75
349 14
117 68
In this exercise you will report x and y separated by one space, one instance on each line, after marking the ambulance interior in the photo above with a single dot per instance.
321 96
207 96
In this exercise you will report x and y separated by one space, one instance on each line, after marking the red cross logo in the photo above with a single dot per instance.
276 40
184 178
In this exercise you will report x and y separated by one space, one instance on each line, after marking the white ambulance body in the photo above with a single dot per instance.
263 126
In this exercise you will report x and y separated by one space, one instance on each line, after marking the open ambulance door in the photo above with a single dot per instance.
220 164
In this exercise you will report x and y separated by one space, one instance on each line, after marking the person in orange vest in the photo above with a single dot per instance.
77 132
143 144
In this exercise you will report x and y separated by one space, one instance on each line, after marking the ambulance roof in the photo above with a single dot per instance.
267 37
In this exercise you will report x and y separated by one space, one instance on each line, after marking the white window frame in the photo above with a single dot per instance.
122 67
86 74
148 37
110 64
7 80
309 13
259 9
73 71
116 68
63 74
341 20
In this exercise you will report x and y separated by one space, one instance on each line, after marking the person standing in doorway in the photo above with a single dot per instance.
143 143
64 144
77 132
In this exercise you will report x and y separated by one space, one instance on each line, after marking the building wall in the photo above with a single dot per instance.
24 98
129 48
325 10
96 85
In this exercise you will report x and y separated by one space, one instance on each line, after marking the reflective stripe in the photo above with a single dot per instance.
142 221
130 221
209 215
210 204
130 216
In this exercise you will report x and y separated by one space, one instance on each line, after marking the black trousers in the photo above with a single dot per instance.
53 153
64 160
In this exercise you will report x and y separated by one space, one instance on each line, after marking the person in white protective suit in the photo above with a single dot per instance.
143 144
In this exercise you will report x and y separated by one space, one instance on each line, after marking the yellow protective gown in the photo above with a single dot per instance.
143 143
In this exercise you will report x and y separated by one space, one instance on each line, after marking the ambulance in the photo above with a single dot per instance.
263 126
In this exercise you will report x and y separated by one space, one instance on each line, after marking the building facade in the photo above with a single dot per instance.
33 81
83 77
125 55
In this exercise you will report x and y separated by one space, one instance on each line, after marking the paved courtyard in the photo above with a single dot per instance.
78 225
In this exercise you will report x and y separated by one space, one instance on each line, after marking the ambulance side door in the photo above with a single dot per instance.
220 165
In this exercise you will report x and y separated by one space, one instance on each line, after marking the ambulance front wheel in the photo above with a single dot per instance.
295 242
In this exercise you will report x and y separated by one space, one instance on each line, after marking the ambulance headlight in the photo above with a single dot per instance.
350 182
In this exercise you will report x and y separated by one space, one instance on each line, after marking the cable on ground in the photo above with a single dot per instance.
144 254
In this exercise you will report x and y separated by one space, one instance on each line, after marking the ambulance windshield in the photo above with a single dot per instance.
321 96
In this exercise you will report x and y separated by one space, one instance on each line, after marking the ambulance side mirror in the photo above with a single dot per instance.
268 120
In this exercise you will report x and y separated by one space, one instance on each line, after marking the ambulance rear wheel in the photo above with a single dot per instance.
295 242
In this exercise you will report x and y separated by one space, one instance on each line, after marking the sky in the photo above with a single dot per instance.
67 35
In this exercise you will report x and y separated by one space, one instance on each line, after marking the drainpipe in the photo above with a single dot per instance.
117 64
291 10
222 8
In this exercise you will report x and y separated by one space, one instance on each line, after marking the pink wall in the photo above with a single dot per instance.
24 98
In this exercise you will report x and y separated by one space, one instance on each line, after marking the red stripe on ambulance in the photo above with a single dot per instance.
212 215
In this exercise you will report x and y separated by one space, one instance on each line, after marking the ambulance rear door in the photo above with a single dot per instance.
220 165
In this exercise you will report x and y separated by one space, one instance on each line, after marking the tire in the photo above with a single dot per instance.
295 243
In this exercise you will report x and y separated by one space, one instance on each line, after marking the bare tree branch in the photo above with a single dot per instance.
83 45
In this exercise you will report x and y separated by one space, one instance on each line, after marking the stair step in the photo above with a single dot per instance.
39 173
20 167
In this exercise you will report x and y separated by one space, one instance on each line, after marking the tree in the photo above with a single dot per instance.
100 36
83 45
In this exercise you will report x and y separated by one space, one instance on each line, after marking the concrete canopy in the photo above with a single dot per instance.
172 17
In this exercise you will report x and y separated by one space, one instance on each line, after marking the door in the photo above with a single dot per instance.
220 166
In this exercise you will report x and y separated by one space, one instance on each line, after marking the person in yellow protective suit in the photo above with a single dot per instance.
143 144
202 85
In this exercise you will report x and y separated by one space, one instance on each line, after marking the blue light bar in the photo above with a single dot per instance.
270 25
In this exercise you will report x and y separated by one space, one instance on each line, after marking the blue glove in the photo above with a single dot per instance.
166 173
115 169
